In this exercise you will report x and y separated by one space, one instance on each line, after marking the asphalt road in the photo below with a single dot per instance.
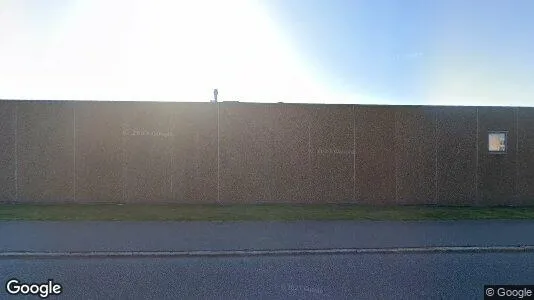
334 276
187 236
357 276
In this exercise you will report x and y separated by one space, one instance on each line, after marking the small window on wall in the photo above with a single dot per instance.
497 142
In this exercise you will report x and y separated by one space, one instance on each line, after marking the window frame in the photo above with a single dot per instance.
505 132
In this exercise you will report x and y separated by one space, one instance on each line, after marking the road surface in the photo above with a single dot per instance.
452 275
359 276
183 236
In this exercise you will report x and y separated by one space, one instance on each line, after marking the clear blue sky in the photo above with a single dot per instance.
447 52
414 50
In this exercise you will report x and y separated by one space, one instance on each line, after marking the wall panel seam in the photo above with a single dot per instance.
16 154
74 154
124 125
476 164
354 153
436 155
218 155
517 152
395 144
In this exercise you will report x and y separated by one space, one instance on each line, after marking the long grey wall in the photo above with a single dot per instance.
230 152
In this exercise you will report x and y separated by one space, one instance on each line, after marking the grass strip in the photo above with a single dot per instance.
259 212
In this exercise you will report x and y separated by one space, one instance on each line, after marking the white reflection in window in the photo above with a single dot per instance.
497 142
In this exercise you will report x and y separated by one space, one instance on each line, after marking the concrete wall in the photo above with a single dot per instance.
457 156
8 152
292 157
246 153
146 152
415 155
100 154
131 152
45 164
374 158
332 153
525 159
497 172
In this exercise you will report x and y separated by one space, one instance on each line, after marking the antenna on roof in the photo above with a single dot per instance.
215 94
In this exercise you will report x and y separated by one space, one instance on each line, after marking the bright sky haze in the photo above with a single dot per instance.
442 52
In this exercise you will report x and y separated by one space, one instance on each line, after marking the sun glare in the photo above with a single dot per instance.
153 51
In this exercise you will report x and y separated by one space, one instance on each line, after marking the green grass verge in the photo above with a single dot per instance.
274 212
